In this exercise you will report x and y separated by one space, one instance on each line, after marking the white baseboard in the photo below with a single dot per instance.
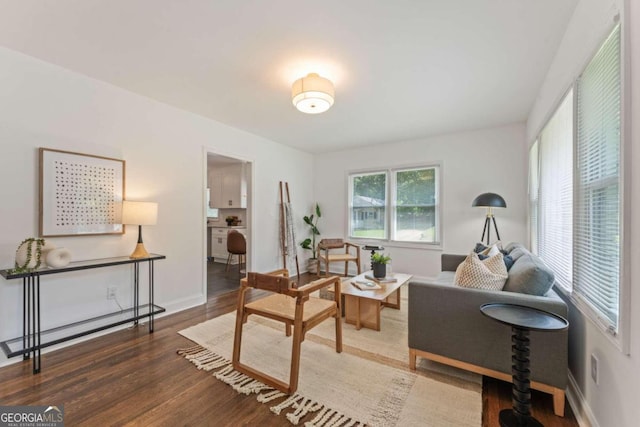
183 304
578 403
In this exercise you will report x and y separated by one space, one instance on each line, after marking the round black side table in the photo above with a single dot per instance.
522 320
373 250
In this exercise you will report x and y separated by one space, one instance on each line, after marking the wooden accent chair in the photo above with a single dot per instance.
326 257
236 245
294 307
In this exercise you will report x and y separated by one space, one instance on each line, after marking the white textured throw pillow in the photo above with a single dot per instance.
491 250
489 273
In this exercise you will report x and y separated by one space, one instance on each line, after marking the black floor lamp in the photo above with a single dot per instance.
489 201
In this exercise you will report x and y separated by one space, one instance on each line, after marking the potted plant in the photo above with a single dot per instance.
310 243
232 220
379 262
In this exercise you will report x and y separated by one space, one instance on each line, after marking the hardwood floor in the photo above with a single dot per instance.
220 281
131 377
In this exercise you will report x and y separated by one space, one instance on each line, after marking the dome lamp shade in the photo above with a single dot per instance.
489 200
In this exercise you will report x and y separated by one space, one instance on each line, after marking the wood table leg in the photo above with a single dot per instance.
388 301
363 312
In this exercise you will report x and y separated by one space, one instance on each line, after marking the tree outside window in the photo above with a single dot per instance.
397 205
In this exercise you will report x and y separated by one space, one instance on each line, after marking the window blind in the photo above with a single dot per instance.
534 181
598 204
555 199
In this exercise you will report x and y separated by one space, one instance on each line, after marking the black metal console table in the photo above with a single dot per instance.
33 340
522 320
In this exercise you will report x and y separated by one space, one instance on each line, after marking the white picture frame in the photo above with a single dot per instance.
80 194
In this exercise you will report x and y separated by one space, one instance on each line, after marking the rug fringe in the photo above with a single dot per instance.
330 418
207 360
285 404
240 382
301 405
190 350
203 358
268 397
302 409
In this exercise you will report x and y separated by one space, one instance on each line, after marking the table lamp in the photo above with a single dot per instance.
139 213
489 201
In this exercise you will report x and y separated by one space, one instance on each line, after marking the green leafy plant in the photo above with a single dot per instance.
380 258
310 243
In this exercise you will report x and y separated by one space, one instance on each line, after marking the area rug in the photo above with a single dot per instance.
338 389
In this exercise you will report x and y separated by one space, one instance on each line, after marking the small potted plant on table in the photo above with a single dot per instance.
379 262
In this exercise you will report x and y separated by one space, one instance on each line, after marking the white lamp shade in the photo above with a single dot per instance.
312 94
139 213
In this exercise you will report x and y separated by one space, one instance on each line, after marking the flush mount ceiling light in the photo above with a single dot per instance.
312 94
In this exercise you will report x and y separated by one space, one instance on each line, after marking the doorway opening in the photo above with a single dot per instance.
228 205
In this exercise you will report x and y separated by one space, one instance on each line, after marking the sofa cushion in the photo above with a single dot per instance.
517 253
511 246
529 275
445 278
490 273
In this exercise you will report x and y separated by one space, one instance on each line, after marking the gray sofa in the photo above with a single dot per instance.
446 325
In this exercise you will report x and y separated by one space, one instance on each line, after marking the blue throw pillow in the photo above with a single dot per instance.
479 248
508 262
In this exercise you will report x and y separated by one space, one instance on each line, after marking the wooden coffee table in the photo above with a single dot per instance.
362 307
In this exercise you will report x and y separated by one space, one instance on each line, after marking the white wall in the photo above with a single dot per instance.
614 401
487 160
164 149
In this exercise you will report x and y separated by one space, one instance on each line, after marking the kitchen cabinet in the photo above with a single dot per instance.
228 186
218 242
215 189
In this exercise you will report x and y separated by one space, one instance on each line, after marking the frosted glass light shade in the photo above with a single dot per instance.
139 213
312 94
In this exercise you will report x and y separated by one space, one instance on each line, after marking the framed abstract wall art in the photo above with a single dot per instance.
80 194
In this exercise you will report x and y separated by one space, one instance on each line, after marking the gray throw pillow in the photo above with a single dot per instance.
529 275
511 246
517 252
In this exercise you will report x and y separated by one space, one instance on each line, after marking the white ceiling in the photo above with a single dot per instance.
402 69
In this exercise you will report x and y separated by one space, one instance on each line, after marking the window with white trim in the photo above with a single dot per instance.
575 188
395 204
555 193
534 183
598 182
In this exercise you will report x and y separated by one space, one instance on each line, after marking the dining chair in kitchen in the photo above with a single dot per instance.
236 245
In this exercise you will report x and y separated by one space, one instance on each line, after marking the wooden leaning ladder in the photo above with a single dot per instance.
283 228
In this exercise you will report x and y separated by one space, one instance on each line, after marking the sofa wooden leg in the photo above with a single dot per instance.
558 402
412 359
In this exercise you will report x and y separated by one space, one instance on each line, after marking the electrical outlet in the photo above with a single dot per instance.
111 292
594 369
